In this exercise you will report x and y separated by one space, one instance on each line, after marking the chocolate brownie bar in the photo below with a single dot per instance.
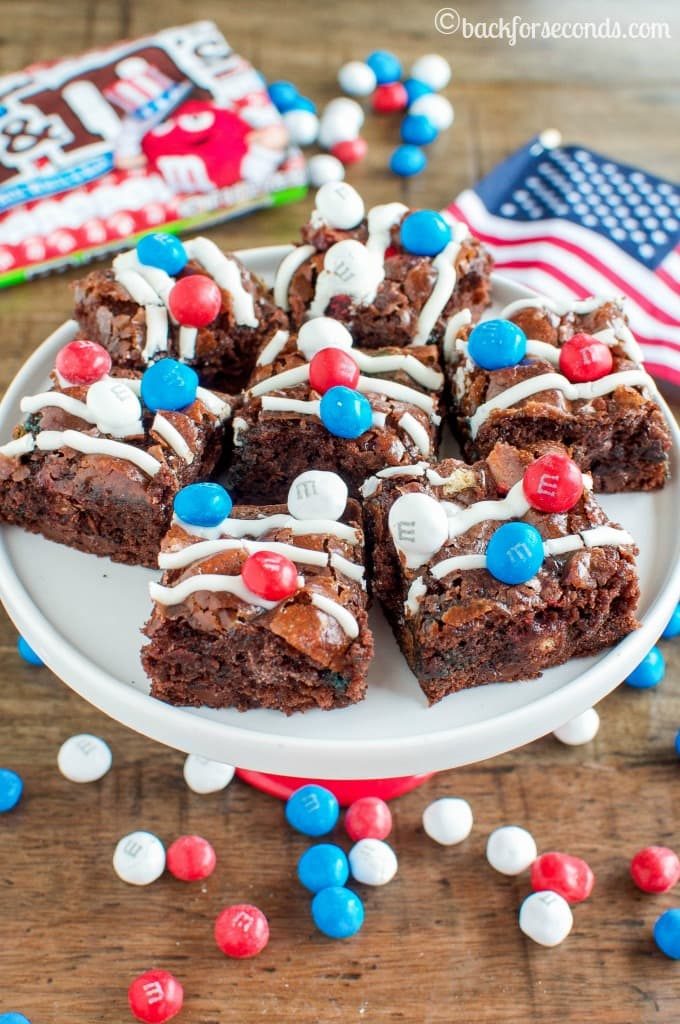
126 309
95 467
498 570
570 373
354 267
286 422
265 608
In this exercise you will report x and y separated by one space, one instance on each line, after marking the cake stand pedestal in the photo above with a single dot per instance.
346 791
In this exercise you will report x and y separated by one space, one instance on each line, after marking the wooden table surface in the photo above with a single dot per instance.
441 942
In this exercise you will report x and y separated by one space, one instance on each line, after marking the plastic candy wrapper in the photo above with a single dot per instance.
173 130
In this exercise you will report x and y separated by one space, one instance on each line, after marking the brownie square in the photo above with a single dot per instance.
107 493
613 425
125 310
457 624
364 277
279 431
223 646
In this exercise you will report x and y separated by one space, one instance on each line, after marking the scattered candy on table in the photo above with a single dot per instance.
356 78
425 233
11 788
390 98
407 161
655 869
155 996
241 931
667 933
283 95
317 494
13 1017
546 918
164 251
168 385
677 743
195 301
511 849
82 362
84 758
418 130
448 820
190 858
514 553
205 776
581 729
372 862
323 168
337 912
673 626
495 344
369 817
436 108
350 110
570 877
302 125
415 89
139 858
350 151
649 672
204 504
433 70
312 810
28 654
323 866
385 66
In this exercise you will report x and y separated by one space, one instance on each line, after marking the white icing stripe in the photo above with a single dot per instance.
556 382
445 265
448 565
256 527
133 282
54 399
156 331
393 389
172 436
149 287
157 279
240 428
271 403
604 536
215 584
19 446
226 275
381 219
378 419
542 349
513 506
187 342
416 592
280 381
352 570
338 612
287 268
454 325
417 371
399 392
370 486
206 548
51 440
273 348
560 308
213 404
417 432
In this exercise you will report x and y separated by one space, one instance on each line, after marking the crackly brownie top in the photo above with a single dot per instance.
138 431
511 529
385 274
296 569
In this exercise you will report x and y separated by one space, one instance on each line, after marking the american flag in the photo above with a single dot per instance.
568 222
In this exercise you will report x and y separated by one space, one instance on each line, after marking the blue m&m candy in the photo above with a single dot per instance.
337 912
673 627
204 504
494 344
283 95
13 1017
667 933
312 810
169 385
11 788
649 672
27 653
415 89
345 412
304 103
323 866
385 66
515 553
425 233
418 130
677 743
163 251
407 161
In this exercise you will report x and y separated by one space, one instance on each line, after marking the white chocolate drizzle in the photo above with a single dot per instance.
171 435
273 348
51 440
187 341
381 220
19 446
280 521
399 392
454 325
213 583
226 274
445 265
417 432
288 267
54 399
342 615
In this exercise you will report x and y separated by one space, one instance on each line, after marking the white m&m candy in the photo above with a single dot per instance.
116 408
433 70
205 776
436 109
448 821
340 205
322 332
323 168
511 850
302 125
348 109
317 495
84 758
372 862
139 858
546 918
419 527
356 78
581 729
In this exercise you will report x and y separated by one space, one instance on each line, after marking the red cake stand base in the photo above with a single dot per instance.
346 791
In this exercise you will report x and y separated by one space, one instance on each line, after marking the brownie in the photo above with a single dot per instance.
110 308
462 626
223 649
385 295
116 498
276 438
619 436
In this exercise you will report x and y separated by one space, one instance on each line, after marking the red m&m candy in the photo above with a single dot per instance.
584 358
387 99
369 817
553 483
333 367
269 575
155 996
569 876
195 301
655 869
241 931
190 858
83 362
350 151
